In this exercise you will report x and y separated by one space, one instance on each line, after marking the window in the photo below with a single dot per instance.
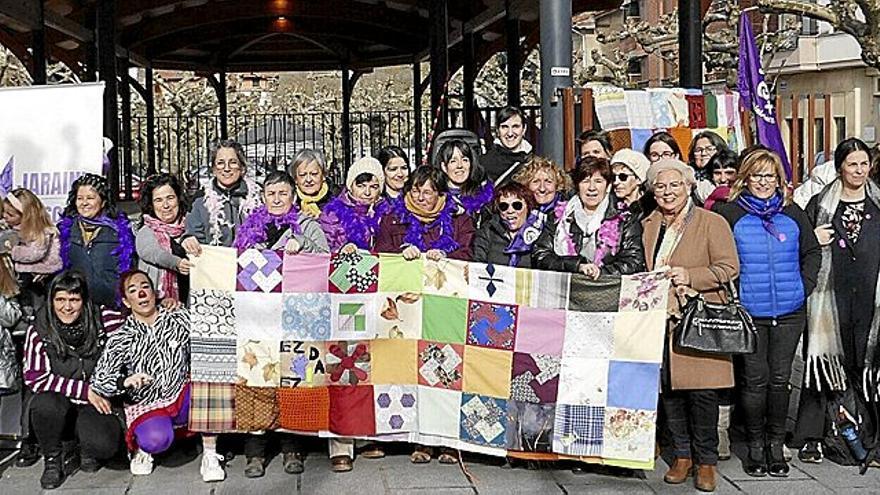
840 128
818 136
633 9
634 68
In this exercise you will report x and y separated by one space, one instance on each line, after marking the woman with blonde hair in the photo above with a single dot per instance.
550 185
37 252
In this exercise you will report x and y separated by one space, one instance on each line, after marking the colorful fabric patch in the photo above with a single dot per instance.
400 316
348 363
540 331
305 317
399 275
621 393
351 410
530 426
353 316
446 277
212 313
643 292
629 434
258 315
212 407
213 360
594 296
256 409
259 271
396 408
483 420
535 378
638 336
538 289
394 361
354 273
584 382
302 364
495 283
440 364
491 325
444 319
304 409
305 273
259 363
579 430
487 371
214 269
588 335
439 412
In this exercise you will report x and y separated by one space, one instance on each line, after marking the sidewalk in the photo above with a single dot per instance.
395 475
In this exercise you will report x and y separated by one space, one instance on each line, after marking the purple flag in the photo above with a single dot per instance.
755 94
6 177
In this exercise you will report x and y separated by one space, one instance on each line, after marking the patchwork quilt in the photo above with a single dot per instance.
477 357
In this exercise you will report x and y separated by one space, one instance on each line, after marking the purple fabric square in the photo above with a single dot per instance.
535 378
258 271
305 273
540 331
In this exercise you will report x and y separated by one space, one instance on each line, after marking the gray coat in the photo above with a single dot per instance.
312 238
10 368
237 203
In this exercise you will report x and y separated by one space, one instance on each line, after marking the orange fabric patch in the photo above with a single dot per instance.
620 139
304 409
683 137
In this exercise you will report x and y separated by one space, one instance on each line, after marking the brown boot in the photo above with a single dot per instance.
679 471
705 478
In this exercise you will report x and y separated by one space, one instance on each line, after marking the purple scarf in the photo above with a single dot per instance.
473 204
765 209
359 222
416 230
525 237
124 252
253 231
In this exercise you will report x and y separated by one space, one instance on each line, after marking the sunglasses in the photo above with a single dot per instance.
516 205
622 177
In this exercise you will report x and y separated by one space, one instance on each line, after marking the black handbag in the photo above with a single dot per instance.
716 328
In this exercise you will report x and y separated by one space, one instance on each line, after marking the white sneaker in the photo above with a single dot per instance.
211 469
141 463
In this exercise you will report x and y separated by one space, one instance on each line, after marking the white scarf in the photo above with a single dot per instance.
574 211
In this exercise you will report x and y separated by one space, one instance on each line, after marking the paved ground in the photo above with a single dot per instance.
178 474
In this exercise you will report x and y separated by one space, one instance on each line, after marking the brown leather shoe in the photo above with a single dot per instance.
341 464
680 470
705 478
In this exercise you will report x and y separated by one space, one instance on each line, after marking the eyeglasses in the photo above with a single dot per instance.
671 186
622 177
516 205
708 150
232 165
759 177
654 156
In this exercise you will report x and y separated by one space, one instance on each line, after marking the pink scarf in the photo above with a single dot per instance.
164 232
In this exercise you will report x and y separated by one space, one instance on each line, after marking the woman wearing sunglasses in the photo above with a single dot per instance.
630 168
592 236
509 234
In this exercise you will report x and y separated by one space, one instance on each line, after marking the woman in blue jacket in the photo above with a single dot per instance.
779 261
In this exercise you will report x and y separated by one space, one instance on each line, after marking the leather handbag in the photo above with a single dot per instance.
716 328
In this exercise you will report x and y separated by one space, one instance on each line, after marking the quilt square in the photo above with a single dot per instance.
583 382
495 283
396 408
256 408
639 336
212 313
644 292
213 360
487 372
445 277
212 407
589 335
540 331
352 316
579 430
305 317
629 434
305 273
440 364
351 410
348 362
354 273
594 296
633 385
530 426
394 361
542 289
258 315
259 271
491 325
304 409
444 319
400 316
535 378
214 269
439 412
302 364
399 275
259 363
483 420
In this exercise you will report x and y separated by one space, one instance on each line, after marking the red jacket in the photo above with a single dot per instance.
392 231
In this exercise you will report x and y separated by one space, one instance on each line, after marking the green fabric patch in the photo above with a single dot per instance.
398 275
352 317
444 319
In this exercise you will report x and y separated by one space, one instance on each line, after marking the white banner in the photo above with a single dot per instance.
49 136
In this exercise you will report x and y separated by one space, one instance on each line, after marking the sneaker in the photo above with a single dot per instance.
28 455
141 463
211 469
53 472
811 452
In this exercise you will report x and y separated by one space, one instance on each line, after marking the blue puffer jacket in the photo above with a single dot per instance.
775 276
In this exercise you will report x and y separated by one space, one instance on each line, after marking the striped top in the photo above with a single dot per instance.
38 367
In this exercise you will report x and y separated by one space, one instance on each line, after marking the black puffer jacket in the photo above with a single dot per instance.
630 256
491 241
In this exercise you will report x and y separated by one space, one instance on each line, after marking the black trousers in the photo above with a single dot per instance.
52 415
766 375
692 421
256 445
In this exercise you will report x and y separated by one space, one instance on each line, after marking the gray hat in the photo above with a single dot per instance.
636 162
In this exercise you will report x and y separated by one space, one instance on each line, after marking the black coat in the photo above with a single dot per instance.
630 256
491 241
499 159
98 263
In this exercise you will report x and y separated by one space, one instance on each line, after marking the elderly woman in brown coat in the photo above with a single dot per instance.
697 249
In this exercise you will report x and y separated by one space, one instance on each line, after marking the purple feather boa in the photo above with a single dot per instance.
253 230
124 252
473 204
359 223
415 232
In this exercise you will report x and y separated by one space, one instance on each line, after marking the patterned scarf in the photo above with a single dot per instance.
308 204
164 232
765 209
563 243
674 232
215 204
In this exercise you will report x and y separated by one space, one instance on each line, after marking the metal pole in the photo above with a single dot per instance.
107 63
555 73
151 120
38 57
439 38
469 74
346 118
224 107
417 110
514 56
125 96
690 42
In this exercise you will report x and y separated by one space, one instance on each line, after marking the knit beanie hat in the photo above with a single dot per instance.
368 165
636 162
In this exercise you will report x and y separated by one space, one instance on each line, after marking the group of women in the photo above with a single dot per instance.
107 351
